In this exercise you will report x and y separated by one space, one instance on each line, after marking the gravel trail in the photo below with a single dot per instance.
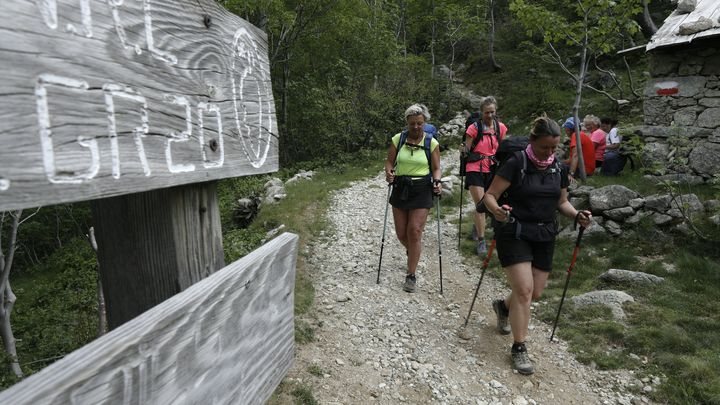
375 343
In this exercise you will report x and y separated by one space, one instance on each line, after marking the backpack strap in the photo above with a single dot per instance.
480 134
426 147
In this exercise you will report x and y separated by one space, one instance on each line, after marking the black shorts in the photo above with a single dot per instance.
412 195
512 251
477 179
535 244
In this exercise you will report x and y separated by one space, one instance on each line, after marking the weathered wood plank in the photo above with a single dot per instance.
103 98
667 34
225 340
154 244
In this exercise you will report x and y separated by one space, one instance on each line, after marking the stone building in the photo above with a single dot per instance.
682 95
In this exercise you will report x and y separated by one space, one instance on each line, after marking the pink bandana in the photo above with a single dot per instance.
541 164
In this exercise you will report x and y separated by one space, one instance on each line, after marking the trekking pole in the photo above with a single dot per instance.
461 172
462 186
382 245
576 250
477 289
437 213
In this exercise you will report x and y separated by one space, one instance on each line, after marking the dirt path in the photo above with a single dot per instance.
375 343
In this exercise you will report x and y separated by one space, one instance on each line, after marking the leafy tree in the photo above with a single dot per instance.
576 32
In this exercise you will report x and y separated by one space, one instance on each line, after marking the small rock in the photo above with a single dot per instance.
339 362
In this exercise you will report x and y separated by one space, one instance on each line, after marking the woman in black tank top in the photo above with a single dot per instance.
531 187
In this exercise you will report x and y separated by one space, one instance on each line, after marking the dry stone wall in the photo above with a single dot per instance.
681 128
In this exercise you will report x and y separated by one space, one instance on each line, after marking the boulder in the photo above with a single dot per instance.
274 191
619 214
655 153
636 203
679 178
626 276
613 228
635 219
712 205
301 175
658 202
710 118
609 298
690 203
609 197
705 159
693 27
661 219
686 6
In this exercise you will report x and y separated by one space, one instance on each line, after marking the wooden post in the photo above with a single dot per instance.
155 244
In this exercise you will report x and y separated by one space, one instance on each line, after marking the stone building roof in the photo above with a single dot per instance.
683 27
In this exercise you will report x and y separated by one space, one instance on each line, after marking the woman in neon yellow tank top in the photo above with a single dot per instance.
414 181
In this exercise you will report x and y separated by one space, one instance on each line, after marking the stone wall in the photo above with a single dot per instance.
682 100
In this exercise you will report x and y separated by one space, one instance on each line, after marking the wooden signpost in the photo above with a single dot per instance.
139 106
226 340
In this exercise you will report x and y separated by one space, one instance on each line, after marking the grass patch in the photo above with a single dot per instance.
304 396
316 370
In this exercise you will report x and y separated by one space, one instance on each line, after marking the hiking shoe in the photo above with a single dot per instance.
520 359
503 327
481 248
409 283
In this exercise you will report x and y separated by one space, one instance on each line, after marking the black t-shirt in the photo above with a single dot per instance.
536 199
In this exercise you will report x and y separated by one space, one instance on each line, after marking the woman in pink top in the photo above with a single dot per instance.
597 135
479 160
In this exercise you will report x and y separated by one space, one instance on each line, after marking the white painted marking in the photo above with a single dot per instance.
48 11
119 29
667 85
46 142
4 184
157 53
86 15
114 90
245 48
183 136
211 108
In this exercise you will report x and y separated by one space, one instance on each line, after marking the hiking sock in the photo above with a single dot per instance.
518 347
504 307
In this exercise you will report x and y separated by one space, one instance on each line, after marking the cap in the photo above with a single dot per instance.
569 123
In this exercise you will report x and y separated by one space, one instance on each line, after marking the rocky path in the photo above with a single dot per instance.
375 343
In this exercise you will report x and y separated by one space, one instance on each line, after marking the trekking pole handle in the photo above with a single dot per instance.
506 209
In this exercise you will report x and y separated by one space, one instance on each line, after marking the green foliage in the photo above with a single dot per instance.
56 308
316 370
304 396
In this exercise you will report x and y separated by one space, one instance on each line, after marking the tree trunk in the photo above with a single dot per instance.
576 106
493 63
646 22
102 315
7 298
432 39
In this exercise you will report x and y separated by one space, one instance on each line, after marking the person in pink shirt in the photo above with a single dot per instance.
480 156
597 136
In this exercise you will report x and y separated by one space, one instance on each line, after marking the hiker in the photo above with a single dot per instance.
588 150
614 162
483 139
597 136
530 186
413 167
